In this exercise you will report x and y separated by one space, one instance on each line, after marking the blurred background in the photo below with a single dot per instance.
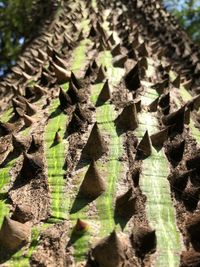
188 15
20 21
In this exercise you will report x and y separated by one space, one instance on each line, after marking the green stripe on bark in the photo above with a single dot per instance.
111 170
159 206
55 156
186 96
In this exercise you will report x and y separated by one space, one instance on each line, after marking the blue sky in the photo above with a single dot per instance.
179 4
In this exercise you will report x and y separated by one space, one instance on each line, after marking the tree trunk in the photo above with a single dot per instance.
106 99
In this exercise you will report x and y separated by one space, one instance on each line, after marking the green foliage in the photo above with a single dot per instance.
15 24
187 12
20 21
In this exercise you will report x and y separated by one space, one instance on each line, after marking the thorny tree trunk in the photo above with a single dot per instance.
99 141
